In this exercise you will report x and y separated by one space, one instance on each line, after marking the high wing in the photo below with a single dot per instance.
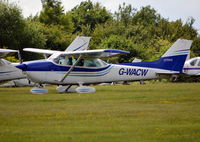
4 52
100 53
42 51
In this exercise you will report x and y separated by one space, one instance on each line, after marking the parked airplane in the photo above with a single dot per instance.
192 67
84 67
8 71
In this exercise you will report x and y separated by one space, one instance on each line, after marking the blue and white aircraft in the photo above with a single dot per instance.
8 71
83 67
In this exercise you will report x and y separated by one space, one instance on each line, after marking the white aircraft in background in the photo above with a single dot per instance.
8 71
192 67
84 67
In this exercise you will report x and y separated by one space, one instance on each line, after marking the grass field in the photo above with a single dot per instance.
160 112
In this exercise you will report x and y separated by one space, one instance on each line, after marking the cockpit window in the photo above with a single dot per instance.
64 60
193 62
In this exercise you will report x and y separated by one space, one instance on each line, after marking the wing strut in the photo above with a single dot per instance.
72 67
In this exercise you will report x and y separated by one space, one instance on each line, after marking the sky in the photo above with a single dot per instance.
170 9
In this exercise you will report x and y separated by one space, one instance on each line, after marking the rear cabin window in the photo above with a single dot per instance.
199 63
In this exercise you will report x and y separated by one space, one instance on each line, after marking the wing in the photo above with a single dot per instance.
4 52
42 51
80 43
101 53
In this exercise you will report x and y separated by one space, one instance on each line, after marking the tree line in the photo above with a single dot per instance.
144 32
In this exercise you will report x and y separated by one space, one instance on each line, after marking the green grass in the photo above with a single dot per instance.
160 112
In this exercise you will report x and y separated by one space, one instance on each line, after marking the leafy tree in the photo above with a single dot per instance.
33 37
11 25
53 14
196 47
120 42
125 14
146 16
88 14
56 37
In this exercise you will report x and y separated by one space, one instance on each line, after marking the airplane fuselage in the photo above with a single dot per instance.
52 73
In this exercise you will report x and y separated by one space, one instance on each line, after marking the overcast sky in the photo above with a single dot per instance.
171 9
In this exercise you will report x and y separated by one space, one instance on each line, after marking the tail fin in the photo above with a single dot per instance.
180 47
172 61
80 43
174 58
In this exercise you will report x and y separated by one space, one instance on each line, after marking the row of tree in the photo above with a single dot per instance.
145 33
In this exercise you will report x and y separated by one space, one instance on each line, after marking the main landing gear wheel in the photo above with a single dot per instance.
39 91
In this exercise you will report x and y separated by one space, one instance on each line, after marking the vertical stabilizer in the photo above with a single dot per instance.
172 60
176 55
80 43
180 47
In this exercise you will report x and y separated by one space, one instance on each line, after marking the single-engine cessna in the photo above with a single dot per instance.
8 71
77 66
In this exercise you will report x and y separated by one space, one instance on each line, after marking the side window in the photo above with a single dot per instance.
89 63
193 62
92 63
199 63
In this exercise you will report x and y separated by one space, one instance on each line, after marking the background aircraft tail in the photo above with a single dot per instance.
80 43
172 60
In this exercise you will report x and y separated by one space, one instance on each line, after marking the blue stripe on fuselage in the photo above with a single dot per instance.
197 68
174 63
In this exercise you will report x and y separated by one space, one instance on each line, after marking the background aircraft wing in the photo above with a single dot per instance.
4 52
80 43
101 53
42 51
